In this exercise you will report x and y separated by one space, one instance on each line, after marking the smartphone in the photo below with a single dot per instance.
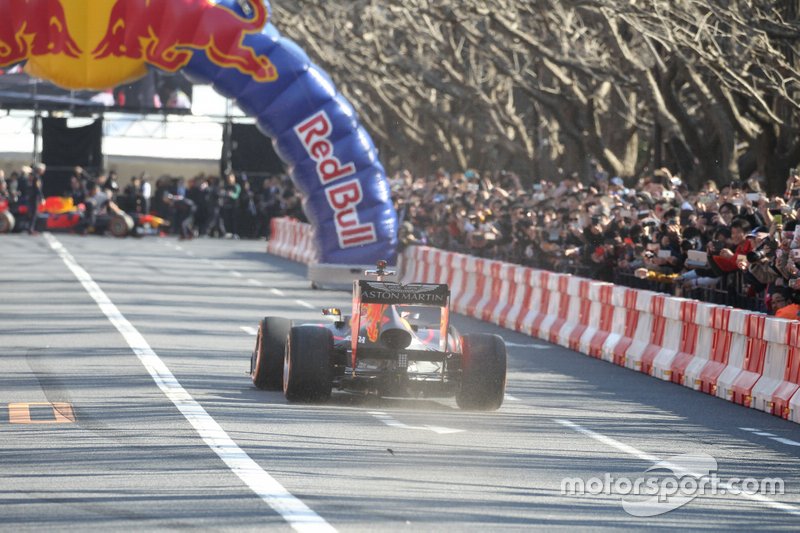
753 197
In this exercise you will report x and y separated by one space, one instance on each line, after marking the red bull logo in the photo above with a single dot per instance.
102 43
34 27
343 197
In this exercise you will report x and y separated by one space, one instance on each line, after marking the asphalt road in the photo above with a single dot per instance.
151 422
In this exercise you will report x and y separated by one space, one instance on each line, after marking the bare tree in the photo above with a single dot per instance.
710 88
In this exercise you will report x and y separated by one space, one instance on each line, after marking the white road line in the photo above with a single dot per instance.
790 442
299 516
277 292
391 422
630 450
305 304
782 440
511 398
249 330
534 346
178 247
255 282
190 253
236 274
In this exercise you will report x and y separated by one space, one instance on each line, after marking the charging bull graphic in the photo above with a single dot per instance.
231 45
148 26
33 27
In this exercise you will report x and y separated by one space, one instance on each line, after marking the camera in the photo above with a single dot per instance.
765 250
717 247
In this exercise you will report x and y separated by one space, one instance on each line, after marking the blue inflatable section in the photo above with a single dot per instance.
332 159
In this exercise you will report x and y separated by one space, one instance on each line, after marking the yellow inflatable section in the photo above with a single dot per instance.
58 37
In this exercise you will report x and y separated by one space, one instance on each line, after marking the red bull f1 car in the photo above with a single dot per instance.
397 342
57 214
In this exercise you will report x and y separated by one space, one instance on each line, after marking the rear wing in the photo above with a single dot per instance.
393 293
386 293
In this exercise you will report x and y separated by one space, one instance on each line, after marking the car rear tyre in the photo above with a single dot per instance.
120 225
266 364
483 372
6 222
307 364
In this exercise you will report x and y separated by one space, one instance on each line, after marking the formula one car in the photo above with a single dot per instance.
398 342
57 214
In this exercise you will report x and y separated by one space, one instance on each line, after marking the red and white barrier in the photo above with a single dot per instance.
738 355
659 360
292 239
695 344
649 332
737 380
777 333
519 293
623 325
601 318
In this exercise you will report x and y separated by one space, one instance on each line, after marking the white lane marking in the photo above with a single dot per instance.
534 346
236 274
782 440
299 516
190 253
249 330
277 292
255 282
391 422
178 247
790 442
206 261
511 398
630 450
305 304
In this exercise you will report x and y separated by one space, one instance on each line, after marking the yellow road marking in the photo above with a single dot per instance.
20 413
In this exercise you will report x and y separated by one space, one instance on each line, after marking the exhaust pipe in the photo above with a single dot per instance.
395 334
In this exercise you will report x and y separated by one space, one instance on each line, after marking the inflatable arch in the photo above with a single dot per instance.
232 45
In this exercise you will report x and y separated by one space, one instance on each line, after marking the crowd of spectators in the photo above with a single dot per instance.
732 244
230 206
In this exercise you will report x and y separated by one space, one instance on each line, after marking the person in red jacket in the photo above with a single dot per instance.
726 259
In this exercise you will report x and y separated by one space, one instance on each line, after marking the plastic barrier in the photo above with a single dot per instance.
292 239
780 335
788 388
650 331
737 380
601 319
623 325
580 307
695 344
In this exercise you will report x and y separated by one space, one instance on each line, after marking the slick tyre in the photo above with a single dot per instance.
266 364
6 222
483 372
307 364
120 225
